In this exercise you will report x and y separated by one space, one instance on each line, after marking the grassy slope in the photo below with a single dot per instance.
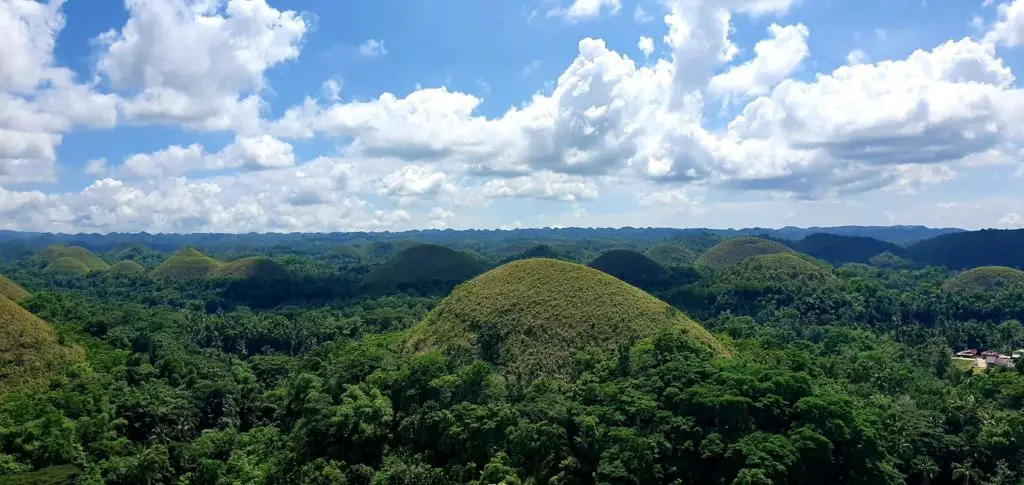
185 265
985 278
671 255
65 266
256 267
52 253
426 262
12 290
127 267
29 352
532 316
629 266
769 268
732 251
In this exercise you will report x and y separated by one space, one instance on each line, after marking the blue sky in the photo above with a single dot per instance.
302 115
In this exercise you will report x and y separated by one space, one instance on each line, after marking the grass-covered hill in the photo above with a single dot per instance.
426 263
532 317
542 251
12 290
29 353
66 267
732 251
774 269
844 249
671 255
973 249
127 267
50 254
984 279
630 266
187 264
256 268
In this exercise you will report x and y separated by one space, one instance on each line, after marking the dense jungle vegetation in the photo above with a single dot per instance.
239 360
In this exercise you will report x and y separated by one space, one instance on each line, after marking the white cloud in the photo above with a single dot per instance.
857 56
1009 27
776 58
372 48
531 67
415 181
641 16
331 90
646 46
440 217
542 185
96 167
246 153
199 64
586 9
1012 220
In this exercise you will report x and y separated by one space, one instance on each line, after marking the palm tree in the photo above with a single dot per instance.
925 467
966 472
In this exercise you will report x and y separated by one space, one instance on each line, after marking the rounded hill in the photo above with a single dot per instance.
29 352
127 267
671 255
778 268
12 290
531 317
985 279
65 266
629 266
426 263
187 264
52 253
732 251
256 267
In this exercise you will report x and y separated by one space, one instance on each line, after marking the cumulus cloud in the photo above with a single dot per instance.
641 16
776 58
646 46
372 48
96 167
199 64
586 9
542 185
1009 27
246 153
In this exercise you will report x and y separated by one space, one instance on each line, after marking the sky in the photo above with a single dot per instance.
350 115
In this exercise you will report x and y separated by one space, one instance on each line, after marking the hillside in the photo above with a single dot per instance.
65 266
29 352
844 249
630 266
984 279
532 317
426 263
671 255
256 267
12 290
127 267
971 249
732 251
48 255
776 269
187 264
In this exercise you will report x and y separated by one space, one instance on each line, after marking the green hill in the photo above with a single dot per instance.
187 264
12 290
671 255
630 266
774 269
48 255
844 249
425 263
531 318
256 267
29 352
127 267
65 266
985 279
732 251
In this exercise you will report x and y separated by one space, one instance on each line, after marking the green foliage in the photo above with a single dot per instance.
535 317
12 290
187 264
79 254
630 266
66 267
426 263
29 352
732 251
127 267
985 279
256 267
54 475
671 255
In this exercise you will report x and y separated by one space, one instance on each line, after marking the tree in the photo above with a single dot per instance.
965 472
